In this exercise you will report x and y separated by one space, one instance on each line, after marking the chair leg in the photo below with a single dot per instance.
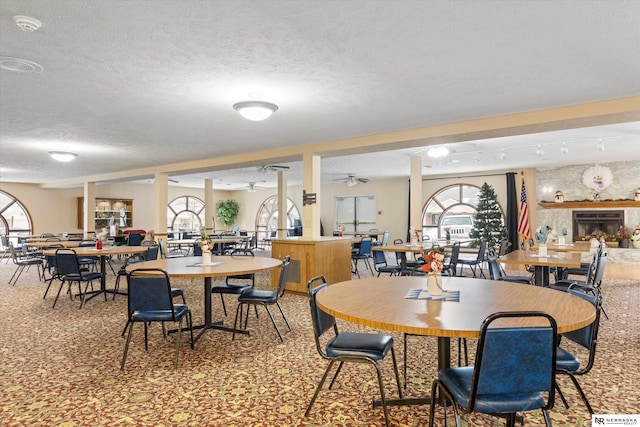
335 376
146 338
126 347
382 397
275 325
58 294
547 418
235 322
582 395
395 369
404 360
561 394
175 363
283 315
125 327
319 387
224 307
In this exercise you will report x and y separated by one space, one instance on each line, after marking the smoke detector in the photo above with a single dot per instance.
19 65
27 23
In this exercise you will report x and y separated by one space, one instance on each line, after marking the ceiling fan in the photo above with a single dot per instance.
252 187
271 168
351 180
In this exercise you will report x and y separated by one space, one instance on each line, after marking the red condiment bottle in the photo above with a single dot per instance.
98 244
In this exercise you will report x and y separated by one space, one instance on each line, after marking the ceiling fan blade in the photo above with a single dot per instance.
365 180
173 180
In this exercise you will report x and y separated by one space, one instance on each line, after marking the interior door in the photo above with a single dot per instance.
356 213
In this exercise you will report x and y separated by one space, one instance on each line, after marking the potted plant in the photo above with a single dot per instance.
227 211
623 235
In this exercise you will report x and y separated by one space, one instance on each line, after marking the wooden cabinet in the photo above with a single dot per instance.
329 256
109 211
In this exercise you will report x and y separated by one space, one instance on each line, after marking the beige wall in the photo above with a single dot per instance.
55 210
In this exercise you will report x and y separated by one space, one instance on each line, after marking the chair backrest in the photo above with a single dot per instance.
134 239
588 335
14 254
385 238
149 290
502 250
86 244
455 254
67 262
321 320
379 258
163 254
482 250
494 268
284 273
5 241
248 276
365 246
44 235
598 273
152 252
197 250
515 361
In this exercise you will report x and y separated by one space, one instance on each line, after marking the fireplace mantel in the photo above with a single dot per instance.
591 205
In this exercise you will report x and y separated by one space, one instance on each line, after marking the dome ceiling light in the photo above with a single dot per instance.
255 111
62 156
438 152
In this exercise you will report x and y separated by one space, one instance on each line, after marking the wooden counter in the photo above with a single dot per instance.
330 256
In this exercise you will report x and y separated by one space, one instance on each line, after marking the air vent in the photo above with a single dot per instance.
19 65
27 23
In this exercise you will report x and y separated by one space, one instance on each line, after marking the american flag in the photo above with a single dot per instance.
523 220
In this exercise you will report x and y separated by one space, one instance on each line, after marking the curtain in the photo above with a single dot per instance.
512 211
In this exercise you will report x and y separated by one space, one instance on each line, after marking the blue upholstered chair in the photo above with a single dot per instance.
363 253
235 284
264 298
134 239
22 263
69 271
475 264
496 273
381 266
149 301
568 363
514 370
347 346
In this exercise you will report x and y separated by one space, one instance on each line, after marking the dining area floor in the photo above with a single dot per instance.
61 367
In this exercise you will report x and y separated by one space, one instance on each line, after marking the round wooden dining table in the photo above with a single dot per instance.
380 303
220 266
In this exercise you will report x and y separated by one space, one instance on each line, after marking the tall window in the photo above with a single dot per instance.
14 217
185 213
267 218
452 209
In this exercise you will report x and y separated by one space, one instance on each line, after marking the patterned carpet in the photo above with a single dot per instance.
60 367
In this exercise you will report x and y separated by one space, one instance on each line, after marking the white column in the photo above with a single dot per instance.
161 192
415 200
311 166
89 220
209 208
282 204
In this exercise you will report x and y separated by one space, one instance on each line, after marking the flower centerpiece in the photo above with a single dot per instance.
206 245
433 266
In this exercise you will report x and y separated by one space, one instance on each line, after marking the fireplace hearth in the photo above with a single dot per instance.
596 221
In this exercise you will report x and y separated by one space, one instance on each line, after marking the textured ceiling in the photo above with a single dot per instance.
135 84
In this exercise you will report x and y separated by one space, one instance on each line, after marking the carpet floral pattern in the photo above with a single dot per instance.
61 367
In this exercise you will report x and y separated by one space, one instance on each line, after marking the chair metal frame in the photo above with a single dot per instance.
496 273
24 263
514 371
235 288
363 253
322 322
264 298
587 338
155 306
68 270
475 264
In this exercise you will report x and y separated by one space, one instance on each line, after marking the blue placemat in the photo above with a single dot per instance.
424 294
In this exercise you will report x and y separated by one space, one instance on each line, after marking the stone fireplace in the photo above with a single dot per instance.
586 222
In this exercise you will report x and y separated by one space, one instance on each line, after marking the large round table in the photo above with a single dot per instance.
380 303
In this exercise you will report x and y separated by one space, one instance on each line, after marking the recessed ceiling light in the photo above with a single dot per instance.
255 110
19 65
539 151
62 156
564 149
503 155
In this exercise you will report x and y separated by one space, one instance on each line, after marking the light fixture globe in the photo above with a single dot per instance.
437 152
255 110
62 156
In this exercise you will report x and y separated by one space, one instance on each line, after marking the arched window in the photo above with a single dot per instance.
452 208
185 213
267 218
14 217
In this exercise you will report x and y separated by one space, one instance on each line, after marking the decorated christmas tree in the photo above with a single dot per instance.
488 225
